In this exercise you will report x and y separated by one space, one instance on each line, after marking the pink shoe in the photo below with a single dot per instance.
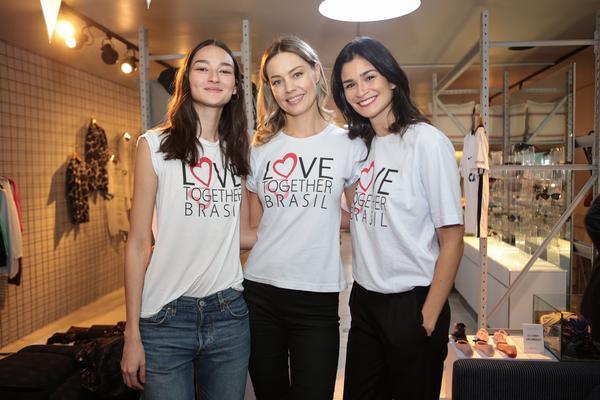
502 344
481 343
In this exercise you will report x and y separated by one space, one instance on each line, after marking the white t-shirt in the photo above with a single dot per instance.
197 249
299 182
408 187
474 168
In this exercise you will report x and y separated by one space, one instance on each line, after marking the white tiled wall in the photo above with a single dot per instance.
45 107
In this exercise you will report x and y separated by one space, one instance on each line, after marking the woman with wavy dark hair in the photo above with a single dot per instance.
301 165
187 331
407 233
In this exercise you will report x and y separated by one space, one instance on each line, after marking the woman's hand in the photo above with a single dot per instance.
133 364
428 324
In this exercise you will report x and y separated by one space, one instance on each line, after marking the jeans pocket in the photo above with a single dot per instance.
163 316
237 307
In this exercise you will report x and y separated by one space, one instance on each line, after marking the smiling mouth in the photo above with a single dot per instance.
213 90
366 102
295 100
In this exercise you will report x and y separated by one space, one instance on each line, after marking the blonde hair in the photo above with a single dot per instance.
270 117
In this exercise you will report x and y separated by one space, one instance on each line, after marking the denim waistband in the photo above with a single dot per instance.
220 298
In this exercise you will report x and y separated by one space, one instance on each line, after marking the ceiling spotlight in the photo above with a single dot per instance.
108 53
359 11
129 63
65 29
77 41
71 42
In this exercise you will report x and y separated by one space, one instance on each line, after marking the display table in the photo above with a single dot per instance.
505 262
455 354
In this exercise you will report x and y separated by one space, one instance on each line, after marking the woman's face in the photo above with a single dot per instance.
368 92
293 83
212 77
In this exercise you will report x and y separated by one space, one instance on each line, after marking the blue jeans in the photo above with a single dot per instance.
197 348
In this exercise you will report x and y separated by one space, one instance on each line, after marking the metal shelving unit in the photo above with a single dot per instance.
482 48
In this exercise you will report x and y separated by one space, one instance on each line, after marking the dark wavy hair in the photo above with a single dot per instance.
405 111
180 141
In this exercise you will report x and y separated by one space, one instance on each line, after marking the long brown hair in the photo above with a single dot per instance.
271 118
180 140
404 109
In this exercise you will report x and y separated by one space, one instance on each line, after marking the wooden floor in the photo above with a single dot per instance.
111 309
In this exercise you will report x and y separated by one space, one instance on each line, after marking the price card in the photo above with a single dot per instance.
533 338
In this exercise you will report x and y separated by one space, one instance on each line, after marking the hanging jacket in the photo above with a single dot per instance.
96 157
77 190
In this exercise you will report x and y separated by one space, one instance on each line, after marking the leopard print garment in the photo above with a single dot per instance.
96 157
78 190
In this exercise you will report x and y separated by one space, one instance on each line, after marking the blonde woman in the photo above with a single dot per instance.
301 164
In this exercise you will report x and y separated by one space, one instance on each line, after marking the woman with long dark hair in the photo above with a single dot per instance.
301 165
407 233
187 332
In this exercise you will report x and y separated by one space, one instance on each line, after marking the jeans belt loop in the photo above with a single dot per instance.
222 302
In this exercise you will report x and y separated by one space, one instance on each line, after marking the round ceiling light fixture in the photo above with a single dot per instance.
367 11
129 62
77 41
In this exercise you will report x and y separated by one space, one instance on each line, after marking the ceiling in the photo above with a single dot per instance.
439 32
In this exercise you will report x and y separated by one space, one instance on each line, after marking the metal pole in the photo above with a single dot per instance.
596 147
505 116
144 80
544 43
467 91
246 61
484 104
542 168
569 159
434 97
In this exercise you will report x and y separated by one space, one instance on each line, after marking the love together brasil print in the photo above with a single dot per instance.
310 188
371 196
210 191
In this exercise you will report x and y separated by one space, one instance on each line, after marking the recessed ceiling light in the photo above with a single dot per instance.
366 11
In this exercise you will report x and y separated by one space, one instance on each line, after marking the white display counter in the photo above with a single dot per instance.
505 262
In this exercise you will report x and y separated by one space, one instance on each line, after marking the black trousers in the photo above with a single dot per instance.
389 354
297 325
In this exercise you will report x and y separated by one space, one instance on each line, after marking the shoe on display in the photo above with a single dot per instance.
460 339
500 339
481 343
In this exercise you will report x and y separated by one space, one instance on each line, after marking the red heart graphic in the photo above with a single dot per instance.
201 168
284 164
366 171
